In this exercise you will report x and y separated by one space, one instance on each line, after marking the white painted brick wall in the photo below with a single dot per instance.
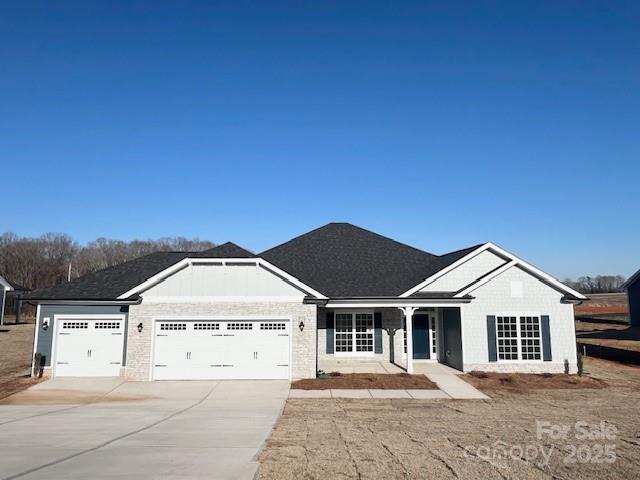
494 298
139 345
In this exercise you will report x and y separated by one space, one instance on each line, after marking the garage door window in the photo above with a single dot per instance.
206 326
108 325
173 326
273 326
354 332
239 326
75 325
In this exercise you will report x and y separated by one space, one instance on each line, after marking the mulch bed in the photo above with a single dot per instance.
524 382
364 381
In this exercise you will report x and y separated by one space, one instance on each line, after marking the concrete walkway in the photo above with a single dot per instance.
455 387
446 378
352 393
69 428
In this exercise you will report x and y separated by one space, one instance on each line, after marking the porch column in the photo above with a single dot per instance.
408 325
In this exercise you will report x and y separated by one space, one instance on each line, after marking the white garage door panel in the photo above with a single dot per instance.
89 348
242 349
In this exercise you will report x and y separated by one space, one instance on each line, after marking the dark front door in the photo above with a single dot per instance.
421 337
452 337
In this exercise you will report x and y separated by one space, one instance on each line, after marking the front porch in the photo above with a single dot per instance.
372 338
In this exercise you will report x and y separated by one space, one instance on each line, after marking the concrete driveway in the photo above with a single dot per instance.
71 428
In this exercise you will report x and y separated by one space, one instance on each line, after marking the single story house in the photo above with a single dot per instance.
337 293
632 287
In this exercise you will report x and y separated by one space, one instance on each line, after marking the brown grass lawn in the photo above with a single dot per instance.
524 382
16 346
461 439
398 381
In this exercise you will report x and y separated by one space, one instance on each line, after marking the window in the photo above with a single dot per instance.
107 325
273 326
518 338
354 332
239 326
173 326
206 326
75 325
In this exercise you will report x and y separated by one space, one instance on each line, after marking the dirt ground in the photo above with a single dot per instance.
525 382
603 303
366 381
16 346
609 334
465 439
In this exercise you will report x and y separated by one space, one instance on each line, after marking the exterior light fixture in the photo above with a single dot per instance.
301 326
140 327
45 323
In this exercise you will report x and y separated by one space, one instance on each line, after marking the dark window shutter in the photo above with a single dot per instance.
546 338
329 331
491 338
377 333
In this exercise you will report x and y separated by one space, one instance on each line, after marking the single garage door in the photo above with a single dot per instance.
89 347
239 349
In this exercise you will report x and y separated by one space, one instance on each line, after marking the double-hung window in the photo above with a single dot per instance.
354 332
518 337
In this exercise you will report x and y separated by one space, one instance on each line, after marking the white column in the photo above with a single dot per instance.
4 295
408 325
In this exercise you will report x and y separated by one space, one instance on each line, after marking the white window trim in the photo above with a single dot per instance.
353 352
519 336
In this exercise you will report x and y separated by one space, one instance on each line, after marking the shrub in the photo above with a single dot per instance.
479 374
335 374
580 366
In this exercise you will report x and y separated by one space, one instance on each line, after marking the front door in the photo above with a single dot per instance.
421 343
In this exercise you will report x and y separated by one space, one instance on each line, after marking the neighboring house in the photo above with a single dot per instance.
10 288
336 294
632 286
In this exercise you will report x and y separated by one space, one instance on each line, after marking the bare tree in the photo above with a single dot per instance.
44 261
597 284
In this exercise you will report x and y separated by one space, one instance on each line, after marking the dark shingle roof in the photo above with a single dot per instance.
342 260
226 250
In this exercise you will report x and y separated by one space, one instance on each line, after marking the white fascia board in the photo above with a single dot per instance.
446 270
394 302
6 286
477 284
537 272
200 260
631 279
500 251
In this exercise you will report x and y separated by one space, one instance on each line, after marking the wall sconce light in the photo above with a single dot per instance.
301 325
45 323
140 327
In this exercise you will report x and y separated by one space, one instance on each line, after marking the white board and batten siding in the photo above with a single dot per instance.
88 346
212 281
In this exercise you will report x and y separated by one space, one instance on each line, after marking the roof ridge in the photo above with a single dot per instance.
372 233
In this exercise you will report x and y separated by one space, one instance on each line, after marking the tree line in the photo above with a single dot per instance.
597 284
52 258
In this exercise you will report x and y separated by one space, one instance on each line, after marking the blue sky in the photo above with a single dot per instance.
438 124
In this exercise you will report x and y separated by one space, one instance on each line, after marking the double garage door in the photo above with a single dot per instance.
238 349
